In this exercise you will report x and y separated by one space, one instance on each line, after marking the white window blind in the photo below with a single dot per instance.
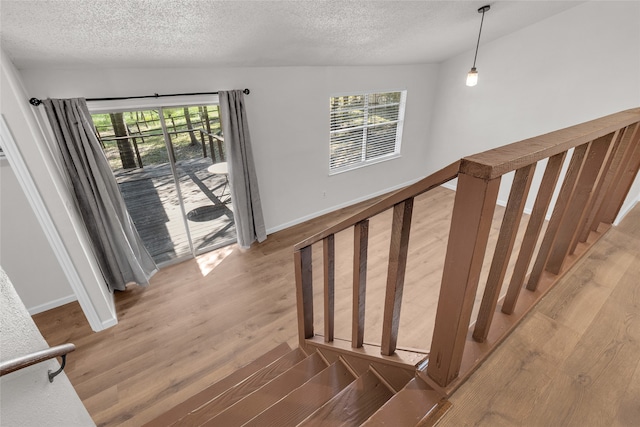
365 128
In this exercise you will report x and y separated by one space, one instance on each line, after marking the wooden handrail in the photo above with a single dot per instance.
499 161
216 137
219 140
601 170
402 202
600 173
34 358
434 180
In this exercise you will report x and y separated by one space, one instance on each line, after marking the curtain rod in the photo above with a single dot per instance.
36 101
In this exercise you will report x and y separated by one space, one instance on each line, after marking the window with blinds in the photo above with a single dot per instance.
365 128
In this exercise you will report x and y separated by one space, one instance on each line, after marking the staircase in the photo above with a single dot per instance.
286 387
329 381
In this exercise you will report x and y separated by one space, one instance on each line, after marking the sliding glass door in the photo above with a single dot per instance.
170 167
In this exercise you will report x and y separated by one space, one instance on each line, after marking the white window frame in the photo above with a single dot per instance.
382 158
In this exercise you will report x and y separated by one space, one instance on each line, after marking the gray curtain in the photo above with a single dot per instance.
117 246
245 197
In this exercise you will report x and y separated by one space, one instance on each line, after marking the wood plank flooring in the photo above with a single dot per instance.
196 323
200 320
575 360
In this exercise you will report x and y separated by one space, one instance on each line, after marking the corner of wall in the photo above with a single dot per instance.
633 198
23 142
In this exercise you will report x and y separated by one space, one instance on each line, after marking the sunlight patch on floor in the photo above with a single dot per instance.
207 262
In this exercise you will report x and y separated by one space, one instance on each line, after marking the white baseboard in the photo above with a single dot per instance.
109 323
623 212
51 304
451 185
339 206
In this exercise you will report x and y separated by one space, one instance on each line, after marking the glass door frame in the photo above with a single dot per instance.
176 179
127 105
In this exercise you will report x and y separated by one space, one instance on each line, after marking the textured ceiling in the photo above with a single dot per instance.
199 33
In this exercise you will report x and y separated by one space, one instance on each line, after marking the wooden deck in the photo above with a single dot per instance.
152 200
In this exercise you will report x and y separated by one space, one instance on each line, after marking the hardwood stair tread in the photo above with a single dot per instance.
395 377
411 405
270 393
219 387
353 405
202 414
306 399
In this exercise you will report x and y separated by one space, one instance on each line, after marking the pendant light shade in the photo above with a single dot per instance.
472 76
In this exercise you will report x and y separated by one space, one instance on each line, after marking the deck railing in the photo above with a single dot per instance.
601 170
215 142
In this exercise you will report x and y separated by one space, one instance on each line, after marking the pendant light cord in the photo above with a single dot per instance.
483 9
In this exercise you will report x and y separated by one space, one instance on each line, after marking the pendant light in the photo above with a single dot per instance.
472 77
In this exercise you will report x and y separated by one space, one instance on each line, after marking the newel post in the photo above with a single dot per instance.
470 225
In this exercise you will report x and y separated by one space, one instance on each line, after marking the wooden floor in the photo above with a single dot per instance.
575 360
197 322
200 320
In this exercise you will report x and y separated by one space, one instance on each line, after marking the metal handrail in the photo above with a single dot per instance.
37 357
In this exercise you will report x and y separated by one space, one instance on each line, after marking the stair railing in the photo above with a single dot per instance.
601 170
22 362
605 161
402 204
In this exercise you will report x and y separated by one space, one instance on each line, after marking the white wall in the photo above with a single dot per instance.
28 398
25 253
633 198
576 66
288 111
573 67
49 198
